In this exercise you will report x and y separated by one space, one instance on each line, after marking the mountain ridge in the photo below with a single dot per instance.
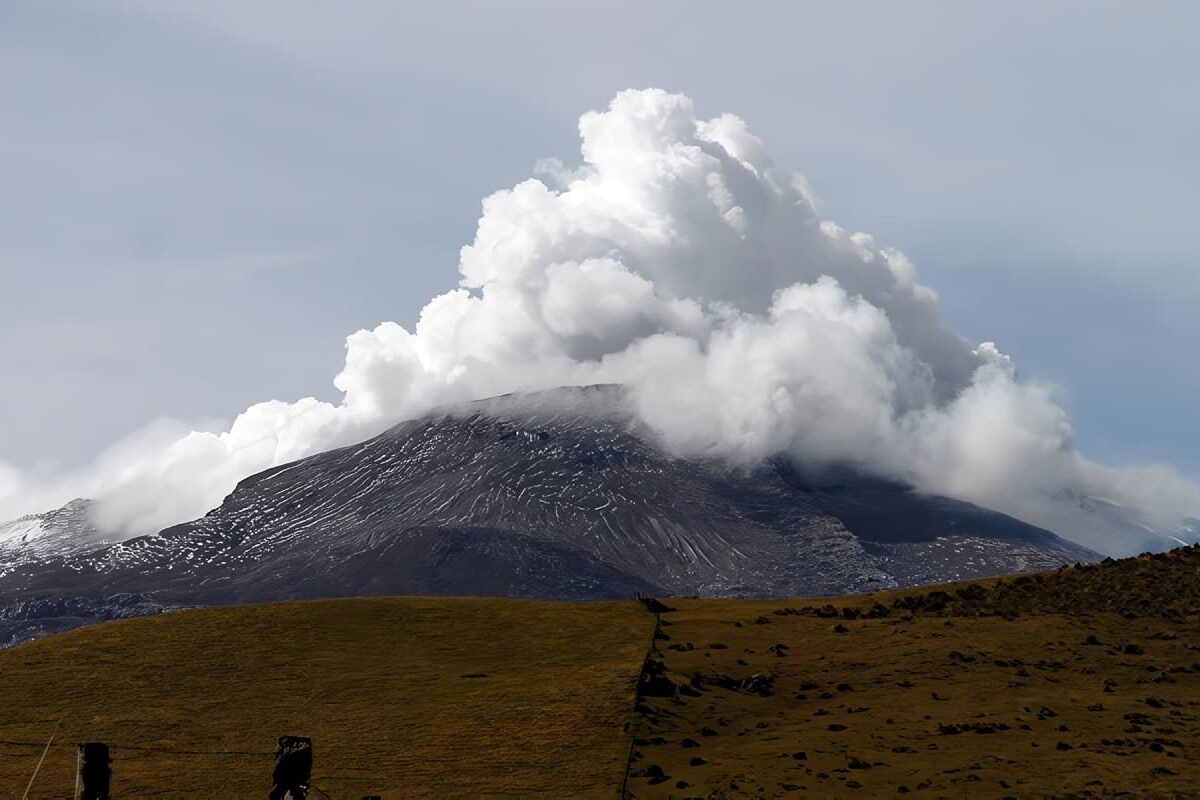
558 494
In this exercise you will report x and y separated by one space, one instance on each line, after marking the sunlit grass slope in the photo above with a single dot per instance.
1083 682
407 697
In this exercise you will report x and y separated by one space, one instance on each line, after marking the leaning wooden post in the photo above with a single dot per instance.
293 768
92 772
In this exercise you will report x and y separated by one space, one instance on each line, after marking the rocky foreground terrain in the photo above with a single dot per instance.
1080 683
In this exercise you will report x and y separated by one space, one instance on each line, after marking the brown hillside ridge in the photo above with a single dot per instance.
1083 682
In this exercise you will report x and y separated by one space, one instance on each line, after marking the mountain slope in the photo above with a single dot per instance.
40 537
556 494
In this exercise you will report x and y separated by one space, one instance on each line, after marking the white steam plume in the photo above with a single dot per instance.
676 261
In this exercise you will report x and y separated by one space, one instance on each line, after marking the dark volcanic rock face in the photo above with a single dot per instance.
554 495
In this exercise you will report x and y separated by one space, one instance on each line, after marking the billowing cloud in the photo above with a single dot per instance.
674 259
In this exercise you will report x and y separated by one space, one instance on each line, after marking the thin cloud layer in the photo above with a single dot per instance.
676 261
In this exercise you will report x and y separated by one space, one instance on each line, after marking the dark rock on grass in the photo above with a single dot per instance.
654 772
762 685
653 682
878 611
974 727
653 740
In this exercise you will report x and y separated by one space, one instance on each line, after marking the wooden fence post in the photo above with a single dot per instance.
293 768
92 772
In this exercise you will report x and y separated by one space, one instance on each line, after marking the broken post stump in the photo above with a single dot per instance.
293 768
92 772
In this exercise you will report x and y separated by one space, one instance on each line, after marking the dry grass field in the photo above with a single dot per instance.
383 686
1041 706
1079 683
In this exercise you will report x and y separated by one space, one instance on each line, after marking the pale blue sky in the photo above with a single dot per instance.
199 200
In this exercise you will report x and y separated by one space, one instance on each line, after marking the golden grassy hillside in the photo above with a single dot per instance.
383 686
760 704
1083 682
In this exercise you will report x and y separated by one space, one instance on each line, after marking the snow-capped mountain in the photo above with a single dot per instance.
1119 522
41 537
555 495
